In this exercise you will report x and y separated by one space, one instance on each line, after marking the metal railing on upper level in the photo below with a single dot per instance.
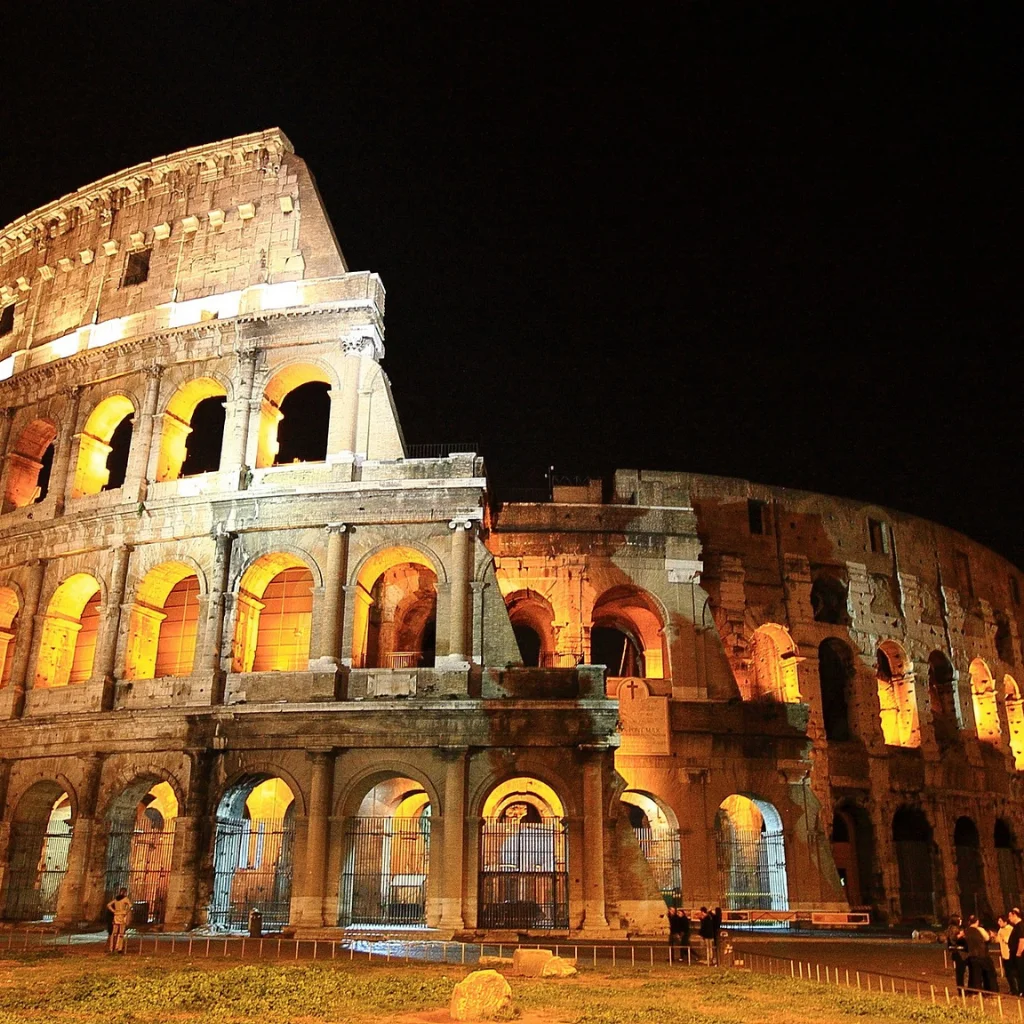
440 450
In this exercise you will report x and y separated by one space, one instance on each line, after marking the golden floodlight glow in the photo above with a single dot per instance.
91 473
68 640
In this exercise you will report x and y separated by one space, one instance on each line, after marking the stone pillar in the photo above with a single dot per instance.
453 844
236 432
348 432
26 635
106 642
332 621
193 839
5 830
311 900
214 629
352 594
458 607
59 473
593 844
6 416
72 897
142 438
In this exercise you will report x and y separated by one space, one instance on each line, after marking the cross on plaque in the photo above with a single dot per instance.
632 687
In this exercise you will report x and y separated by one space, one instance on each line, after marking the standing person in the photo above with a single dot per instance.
674 935
1003 930
707 934
716 928
121 909
1016 950
684 935
979 961
956 945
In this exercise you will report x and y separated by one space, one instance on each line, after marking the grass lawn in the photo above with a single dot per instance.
54 988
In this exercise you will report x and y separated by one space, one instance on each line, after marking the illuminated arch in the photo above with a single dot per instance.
1014 719
9 608
773 665
177 424
983 697
68 639
634 626
532 618
97 443
28 464
897 696
274 615
395 610
751 854
163 623
657 832
38 852
284 381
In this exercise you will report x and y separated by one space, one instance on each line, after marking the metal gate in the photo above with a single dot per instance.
38 863
252 870
524 877
384 881
1008 861
139 860
660 847
917 892
752 870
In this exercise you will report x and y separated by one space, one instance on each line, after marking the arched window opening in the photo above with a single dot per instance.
275 614
39 845
524 867
897 698
983 697
532 619
387 857
829 600
103 447
140 844
394 624
626 634
1008 860
9 608
772 668
970 872
836 671
252 854
29 463
192 433
657 832
941 696
751 855
853 851
163 623
1014 720
294 417
68 641
1004 638
912 842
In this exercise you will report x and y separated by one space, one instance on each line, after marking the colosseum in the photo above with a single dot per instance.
258 654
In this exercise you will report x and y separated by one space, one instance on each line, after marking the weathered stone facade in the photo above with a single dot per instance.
341 689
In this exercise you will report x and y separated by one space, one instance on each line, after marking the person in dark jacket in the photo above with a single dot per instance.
956 946
981 974
707 934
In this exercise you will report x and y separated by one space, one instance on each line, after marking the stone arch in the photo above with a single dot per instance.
1008 863
10 606
913 846
773 659
750 845
67 643
106 436
522 767
259 770
829 600
29 462
163 623
853 851
656 829
532 617
355 789
370 563
942 697
970 869
983 697
627 626
132 774
274 614
177 440
1014 719
897 696
279 382
837 669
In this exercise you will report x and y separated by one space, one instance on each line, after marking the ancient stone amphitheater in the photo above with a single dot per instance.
260 655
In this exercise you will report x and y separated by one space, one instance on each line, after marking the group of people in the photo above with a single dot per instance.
709 924
968 947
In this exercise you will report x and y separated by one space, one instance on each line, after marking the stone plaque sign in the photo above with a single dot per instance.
644 719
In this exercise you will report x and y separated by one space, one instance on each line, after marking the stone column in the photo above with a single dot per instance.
593 843
6 416
332 622
142 438
453 843
72 898
352 594
106 642
193 838
59 482
26 634
214 629
311 901
458 607
236 436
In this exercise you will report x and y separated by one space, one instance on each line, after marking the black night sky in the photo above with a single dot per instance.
742 240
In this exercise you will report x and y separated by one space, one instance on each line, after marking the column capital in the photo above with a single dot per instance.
320 755
71 391
154 371
337 527
462 523
452 753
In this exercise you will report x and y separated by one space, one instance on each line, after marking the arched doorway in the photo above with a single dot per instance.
897 699
1008 860
103 447
524 848
772 674
252 854
67 645
983 697
657 832
970 872
387 857
626 634
163 623
294 417
9 608
941 685
912 843
751 855
836 670
140 843
40 841
532 620
193 430
29 463
853 851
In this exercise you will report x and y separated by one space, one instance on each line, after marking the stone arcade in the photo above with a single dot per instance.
257 654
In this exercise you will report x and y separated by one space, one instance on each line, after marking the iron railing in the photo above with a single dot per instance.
38 863
752 870
660 847
139 860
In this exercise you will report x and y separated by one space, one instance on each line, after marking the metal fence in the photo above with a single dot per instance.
660 847
139 860
38 863
752 869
